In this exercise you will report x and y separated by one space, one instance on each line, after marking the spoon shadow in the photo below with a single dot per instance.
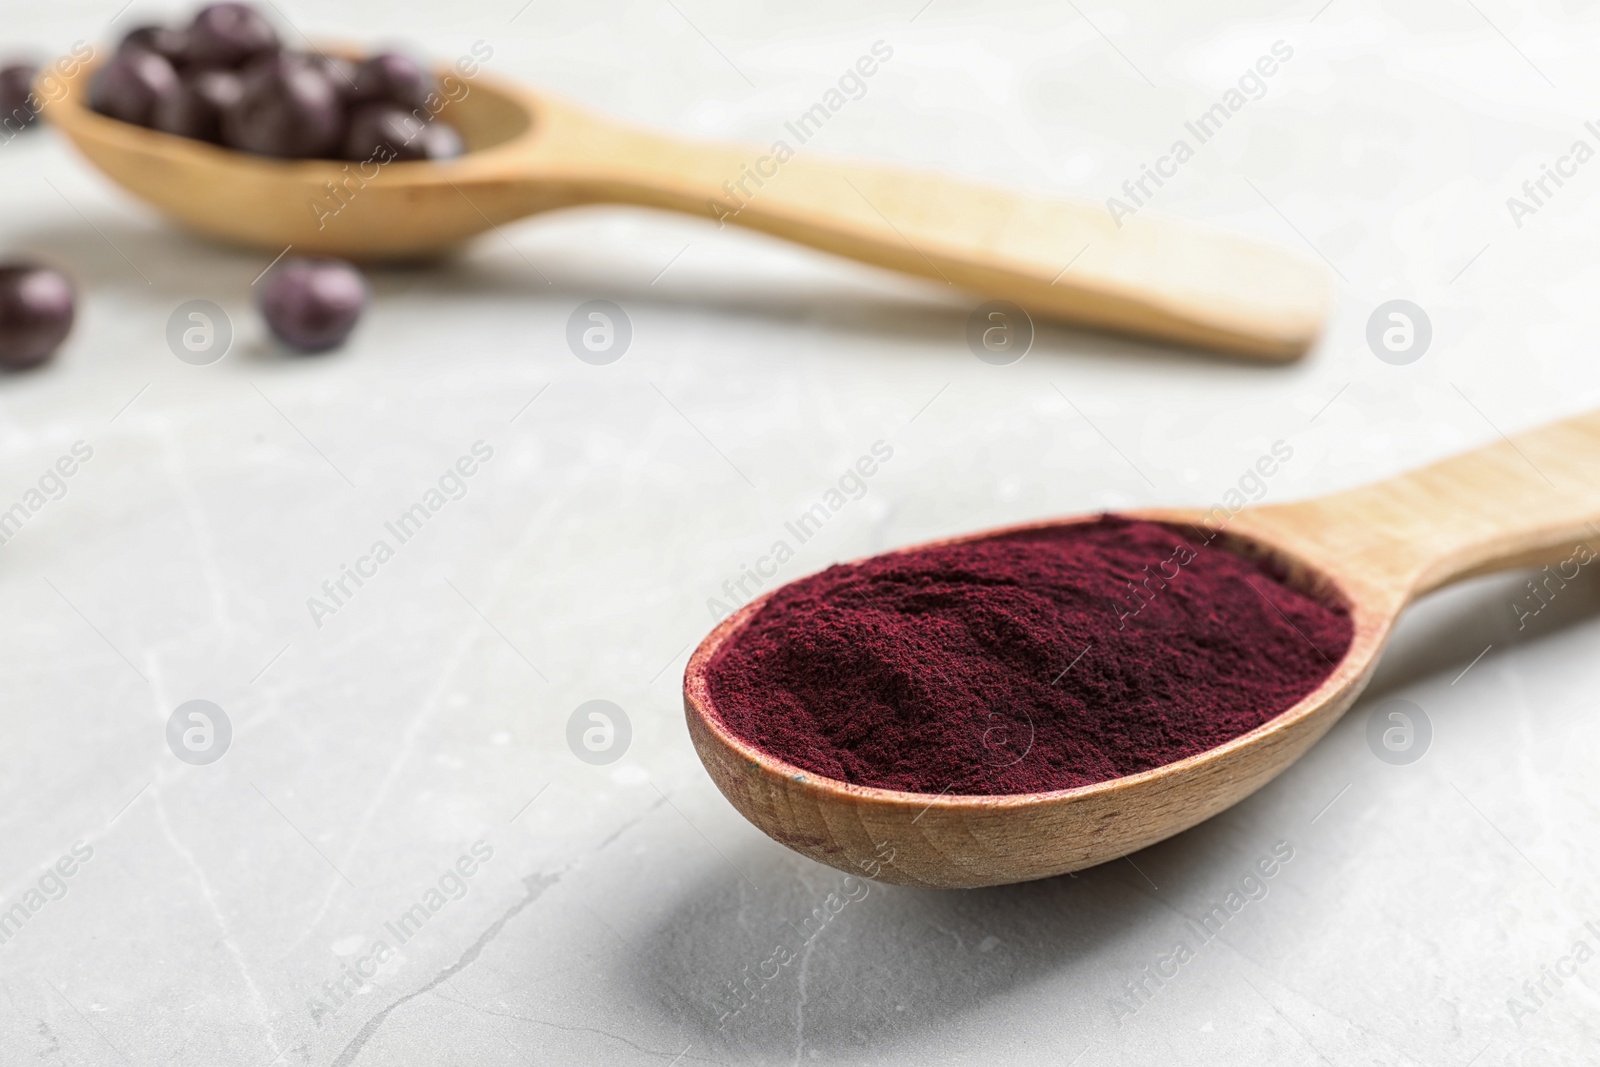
844 964
169 264
906 967
1444 633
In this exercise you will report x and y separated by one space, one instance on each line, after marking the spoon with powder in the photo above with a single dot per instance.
530 151
1020 703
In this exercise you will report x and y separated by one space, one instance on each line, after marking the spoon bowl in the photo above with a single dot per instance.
530 152
1370 550
362 210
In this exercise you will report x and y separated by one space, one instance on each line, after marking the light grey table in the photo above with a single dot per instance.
221 908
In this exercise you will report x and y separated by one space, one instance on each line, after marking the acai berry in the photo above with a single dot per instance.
312 304
36 307
287 107
395 78
131 84
226 78
386 133
226 35
341 74
18 107
195 110
166 42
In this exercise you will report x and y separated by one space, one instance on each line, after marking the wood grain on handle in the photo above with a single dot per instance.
1058 258
1523 500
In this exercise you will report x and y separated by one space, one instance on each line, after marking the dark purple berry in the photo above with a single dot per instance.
443 142
395 78
286 108
313 304
18 106
130 85
195 110
340 72
229 35
385 132
35 313
166 42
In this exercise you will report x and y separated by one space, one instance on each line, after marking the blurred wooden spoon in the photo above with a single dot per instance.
530 151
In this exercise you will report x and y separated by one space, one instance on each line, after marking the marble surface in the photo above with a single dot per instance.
221 905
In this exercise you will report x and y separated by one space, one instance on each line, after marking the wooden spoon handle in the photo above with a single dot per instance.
1528 499
1060 259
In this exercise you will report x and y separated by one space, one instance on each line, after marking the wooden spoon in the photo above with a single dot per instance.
1524 501
532 152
